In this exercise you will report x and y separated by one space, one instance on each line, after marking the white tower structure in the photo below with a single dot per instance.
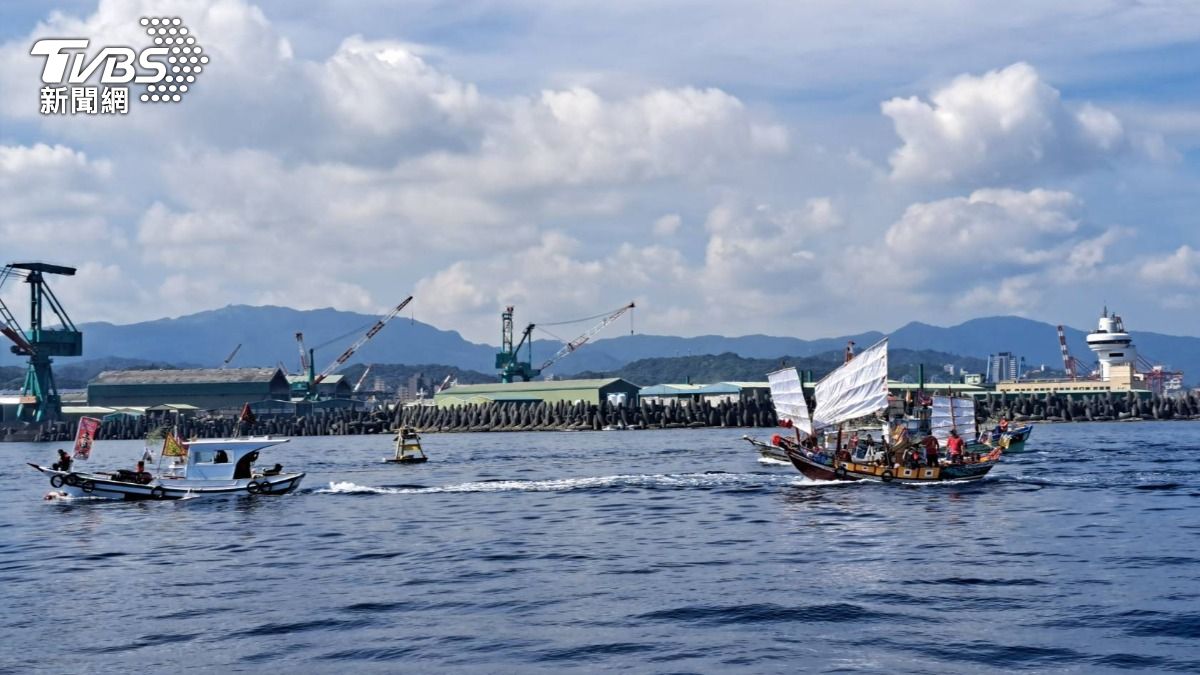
1113 347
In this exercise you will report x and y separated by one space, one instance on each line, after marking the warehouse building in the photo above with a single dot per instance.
333 386
206 388
614 390
714 394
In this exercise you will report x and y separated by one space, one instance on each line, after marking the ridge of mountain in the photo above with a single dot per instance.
266 335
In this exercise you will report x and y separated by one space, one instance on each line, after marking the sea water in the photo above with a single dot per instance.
652 551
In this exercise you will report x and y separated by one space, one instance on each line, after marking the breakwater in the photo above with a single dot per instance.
514 416
1105 407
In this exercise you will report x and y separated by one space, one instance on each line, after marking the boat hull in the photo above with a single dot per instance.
853 471
104 486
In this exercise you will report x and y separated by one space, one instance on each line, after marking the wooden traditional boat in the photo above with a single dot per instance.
408 448
857 390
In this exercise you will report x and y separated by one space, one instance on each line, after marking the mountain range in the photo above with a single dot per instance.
267 337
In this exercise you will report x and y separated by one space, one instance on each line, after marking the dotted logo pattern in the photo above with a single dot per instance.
185 61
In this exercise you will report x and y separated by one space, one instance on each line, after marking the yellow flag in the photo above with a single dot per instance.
172 447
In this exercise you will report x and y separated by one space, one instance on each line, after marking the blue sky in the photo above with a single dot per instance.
765 167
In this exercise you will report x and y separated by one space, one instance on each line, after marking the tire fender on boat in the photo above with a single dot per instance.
158 492
887 475
264 488
253 487
72 479
56 481
87 486
840 472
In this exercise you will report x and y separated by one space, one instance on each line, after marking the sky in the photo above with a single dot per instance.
803 169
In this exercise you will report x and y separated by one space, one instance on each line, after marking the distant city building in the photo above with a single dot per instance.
1004 367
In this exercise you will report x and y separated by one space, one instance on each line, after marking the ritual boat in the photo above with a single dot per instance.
208 467
855 394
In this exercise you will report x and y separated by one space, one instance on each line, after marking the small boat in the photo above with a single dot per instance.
1011 440
408 448
223 466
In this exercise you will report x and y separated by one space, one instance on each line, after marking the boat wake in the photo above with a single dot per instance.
769 461
648 481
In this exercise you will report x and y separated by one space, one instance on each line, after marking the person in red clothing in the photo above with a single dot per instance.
954 447
931 450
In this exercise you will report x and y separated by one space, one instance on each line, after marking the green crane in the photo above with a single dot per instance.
40 401
508 360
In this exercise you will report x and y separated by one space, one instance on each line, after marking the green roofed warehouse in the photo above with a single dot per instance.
614 390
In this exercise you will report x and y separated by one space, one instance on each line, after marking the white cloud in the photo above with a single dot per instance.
996 127
667 225
584 176
55 194
985 228
1180 268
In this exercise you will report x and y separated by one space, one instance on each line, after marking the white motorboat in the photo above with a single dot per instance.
222 466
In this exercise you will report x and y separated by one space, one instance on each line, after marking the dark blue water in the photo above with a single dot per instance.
663 551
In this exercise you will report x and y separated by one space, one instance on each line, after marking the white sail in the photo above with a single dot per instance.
854 389
948 412
787 393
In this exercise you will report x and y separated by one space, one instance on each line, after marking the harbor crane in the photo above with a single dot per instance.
39 401
508 360
314 379
1069 363
225 363
361 378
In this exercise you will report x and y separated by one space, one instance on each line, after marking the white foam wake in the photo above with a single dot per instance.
687 480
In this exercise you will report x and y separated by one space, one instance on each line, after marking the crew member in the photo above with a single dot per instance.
931 450
954 447
63 463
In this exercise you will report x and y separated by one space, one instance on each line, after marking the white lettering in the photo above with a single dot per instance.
117 57
56 61
148 63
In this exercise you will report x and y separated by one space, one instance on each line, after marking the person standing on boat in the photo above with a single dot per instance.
954 447
63 463
931 450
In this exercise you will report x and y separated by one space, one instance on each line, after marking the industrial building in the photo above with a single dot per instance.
614 390
333 386
205 388
719 392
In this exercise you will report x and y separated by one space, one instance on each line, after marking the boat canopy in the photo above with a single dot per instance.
787 393
225 459
951 412
855 389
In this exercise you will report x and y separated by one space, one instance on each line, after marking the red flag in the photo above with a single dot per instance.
85 435
247 415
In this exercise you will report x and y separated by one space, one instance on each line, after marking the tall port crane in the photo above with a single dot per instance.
315 379
508 358
1069 362
39 400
